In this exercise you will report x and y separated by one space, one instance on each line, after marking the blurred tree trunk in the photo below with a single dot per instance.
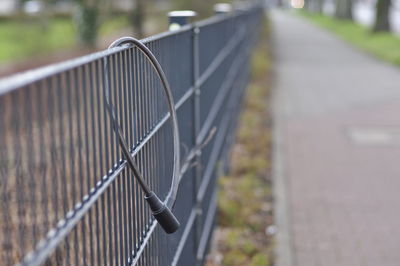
314 6
307 5
318 6
382 16
344 9
138 17
45 15
86 20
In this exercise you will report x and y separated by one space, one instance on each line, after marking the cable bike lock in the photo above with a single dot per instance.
161 210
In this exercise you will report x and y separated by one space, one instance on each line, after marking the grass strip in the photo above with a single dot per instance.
245 202
20 39
383 45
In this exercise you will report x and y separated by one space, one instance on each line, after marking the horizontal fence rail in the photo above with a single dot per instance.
67 196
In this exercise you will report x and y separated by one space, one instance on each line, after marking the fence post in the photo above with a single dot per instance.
179 18
196 119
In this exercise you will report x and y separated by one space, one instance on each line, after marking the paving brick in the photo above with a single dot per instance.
343 194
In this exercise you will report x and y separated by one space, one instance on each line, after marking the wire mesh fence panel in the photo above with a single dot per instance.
67 195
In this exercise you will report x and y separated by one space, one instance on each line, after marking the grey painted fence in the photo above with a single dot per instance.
66 194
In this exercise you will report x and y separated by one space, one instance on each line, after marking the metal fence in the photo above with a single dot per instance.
66 195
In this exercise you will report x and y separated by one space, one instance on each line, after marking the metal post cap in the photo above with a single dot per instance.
179 18
221 8
182 13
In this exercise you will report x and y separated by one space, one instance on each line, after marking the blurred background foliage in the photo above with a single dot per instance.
36 32
344 10
377 35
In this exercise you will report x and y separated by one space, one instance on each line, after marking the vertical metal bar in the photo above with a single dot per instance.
126 174
135 140
86 130
131 217
95 155
104 230
85 146
113 139
82 239
157 119
125 220
150 76
196 130
30 154
6 198
145 161
116 159
142 127
52 149
67 249
146 98
101 140
151 92
140 136
7 114
145 165
79 140
43 169
70 89
140 94
110 242
119 181
137 227
117 110
128 186
115 219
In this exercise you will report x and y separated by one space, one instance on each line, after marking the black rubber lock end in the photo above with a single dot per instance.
162 214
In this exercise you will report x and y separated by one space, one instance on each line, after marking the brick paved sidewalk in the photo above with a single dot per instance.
337 150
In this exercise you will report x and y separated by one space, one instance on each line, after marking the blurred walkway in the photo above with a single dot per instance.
337 150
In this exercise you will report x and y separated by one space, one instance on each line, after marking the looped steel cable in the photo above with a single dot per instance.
160 209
